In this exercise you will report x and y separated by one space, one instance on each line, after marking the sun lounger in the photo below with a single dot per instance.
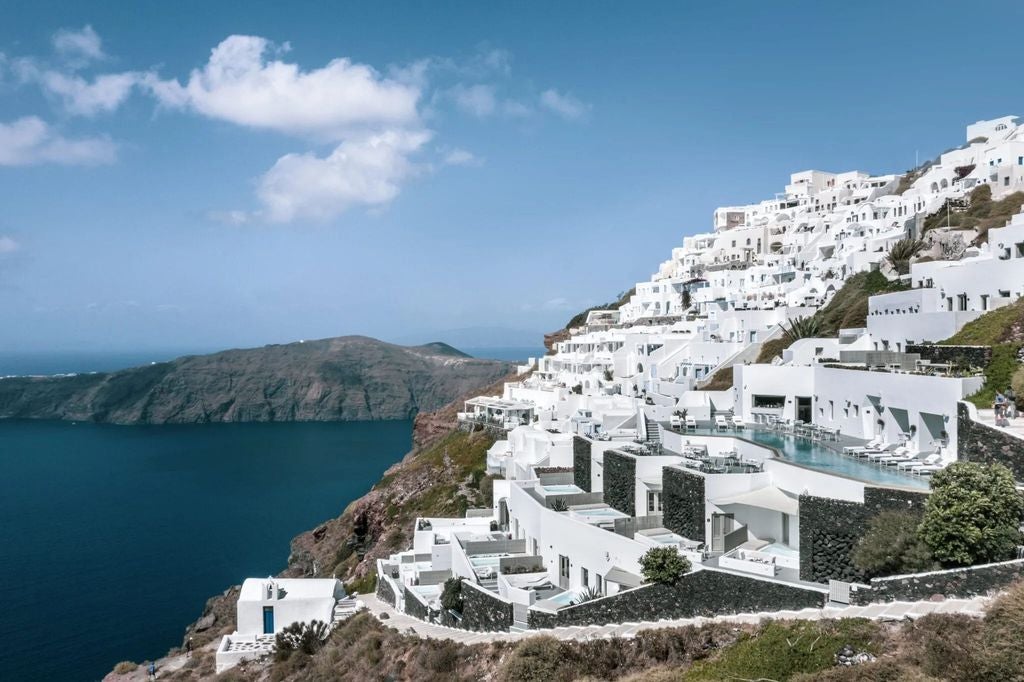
675 421
720 423
899 454
931 460
737 422
873 445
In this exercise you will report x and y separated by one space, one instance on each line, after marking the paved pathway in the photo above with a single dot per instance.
889 611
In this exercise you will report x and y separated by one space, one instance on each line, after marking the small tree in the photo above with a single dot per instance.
304 637
663 565
687 300
891 545
451 595
973 514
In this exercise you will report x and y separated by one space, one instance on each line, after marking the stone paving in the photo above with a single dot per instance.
1014 426
888 611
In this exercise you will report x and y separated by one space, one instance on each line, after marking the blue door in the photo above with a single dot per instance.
268 620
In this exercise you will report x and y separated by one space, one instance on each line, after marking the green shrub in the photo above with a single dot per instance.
891 545
663 565
801 328
538 659
901 252
781 650
125 667
883 670
451 595
998 374
946 645
972 515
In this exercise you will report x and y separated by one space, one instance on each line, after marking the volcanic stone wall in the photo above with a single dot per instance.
620 482
415 607
702 593
682 503
986 445
967 582
484 610
975 356
581 462
830 530
384 591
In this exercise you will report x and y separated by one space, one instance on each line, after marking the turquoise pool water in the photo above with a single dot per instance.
809 454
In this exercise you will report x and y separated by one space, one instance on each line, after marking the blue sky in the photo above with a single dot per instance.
204 175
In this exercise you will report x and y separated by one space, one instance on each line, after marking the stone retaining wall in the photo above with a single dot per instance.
581 462
701 593
682 503
975 356
966 582
384 590
830 530
620 482
484 610
415 607
980 443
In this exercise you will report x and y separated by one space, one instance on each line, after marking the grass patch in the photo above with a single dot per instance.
998 374
1002 325
780 650
771 350
849 306
579 318
720 380
982 214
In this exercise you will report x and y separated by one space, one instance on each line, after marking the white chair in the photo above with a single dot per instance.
675 421
720 423
691 424
737 422
929 464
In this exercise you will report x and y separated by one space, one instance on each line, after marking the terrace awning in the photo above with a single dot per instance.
768 497
621 576
652 484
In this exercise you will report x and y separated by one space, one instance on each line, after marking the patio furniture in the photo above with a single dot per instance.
720 423
691 424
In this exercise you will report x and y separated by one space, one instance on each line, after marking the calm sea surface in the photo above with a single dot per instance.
113 537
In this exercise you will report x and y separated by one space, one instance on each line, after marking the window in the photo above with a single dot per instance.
653 502
599 583
774 402
584 577
563 566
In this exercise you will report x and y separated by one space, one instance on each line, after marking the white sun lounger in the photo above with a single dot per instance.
720 423
691 423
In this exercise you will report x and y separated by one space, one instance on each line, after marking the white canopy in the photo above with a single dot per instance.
768 497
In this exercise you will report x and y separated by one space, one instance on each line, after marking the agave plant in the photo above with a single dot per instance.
901 253
559 505
589 594
801 328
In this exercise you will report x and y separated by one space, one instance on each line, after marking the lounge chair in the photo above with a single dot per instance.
899 452
930 463
691 424
871 446
675 421
737 422
898 456
720 423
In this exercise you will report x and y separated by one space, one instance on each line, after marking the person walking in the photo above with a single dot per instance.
188 648
152 670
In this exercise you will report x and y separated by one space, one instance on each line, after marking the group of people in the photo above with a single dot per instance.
1005 407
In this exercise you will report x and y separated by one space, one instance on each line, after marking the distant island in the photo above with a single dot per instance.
348 378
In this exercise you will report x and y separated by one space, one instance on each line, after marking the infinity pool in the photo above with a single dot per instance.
809 454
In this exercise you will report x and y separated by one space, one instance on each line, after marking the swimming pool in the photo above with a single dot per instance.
561 489
483 560
814 456
562 598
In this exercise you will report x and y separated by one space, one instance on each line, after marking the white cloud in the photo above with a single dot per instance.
241 85
565 105
30 141
361 171
8 245
461 157
478 100
104 94
78 46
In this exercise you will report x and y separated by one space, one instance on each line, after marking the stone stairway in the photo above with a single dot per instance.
653 430
344 608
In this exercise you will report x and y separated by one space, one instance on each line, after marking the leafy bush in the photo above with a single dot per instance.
307 638
559 505
891 545
1002 325
663 565
125 667
451 595
537 659
972 515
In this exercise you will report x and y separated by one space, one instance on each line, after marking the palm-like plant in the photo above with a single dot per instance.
902 251
589 594
559 505
801 328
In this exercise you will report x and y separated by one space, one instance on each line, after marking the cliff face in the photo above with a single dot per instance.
341 379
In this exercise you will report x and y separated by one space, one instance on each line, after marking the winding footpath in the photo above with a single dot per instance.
890 611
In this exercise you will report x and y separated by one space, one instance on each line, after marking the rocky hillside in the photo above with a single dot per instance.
340 379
